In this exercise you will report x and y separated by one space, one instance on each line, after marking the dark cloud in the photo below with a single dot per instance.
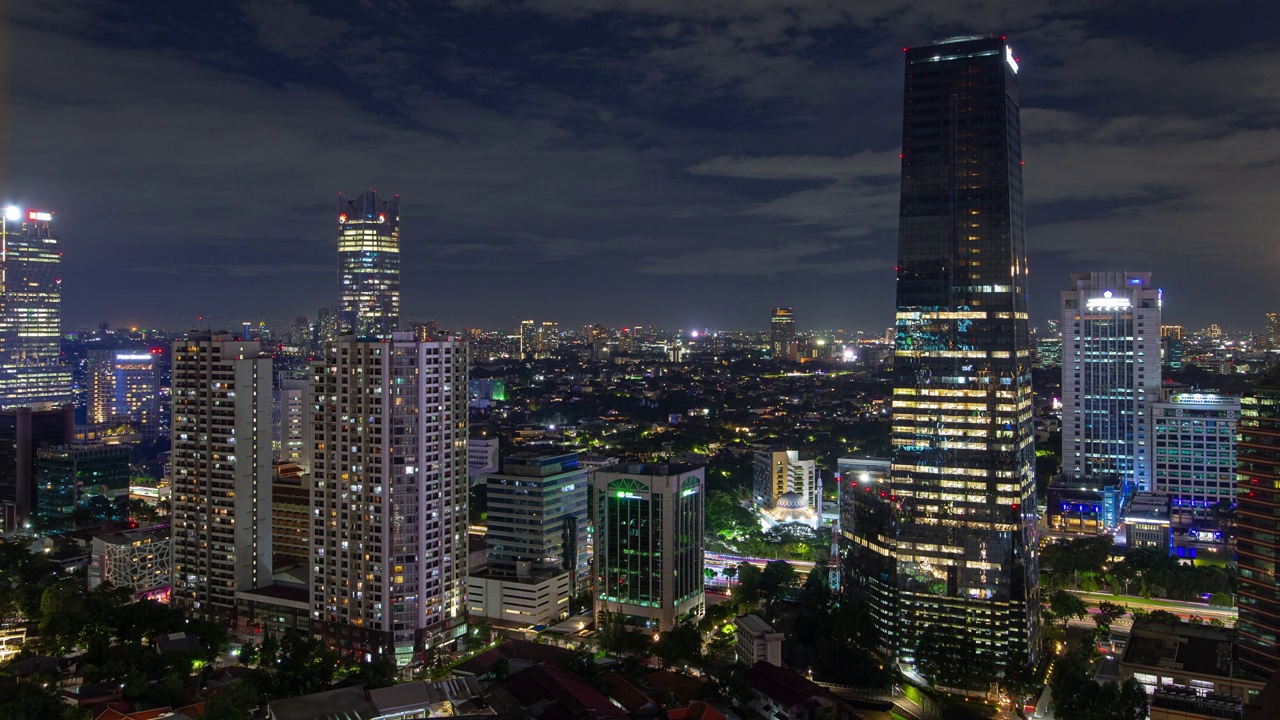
566 158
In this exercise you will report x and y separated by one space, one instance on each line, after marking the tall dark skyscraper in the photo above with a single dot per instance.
782 334
1258 532
369 265
962 488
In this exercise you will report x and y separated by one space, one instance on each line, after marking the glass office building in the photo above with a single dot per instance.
369 265
962 491
31 371
1258 525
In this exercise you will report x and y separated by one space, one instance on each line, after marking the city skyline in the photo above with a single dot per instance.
768 155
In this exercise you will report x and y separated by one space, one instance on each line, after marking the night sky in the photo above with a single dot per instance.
685 163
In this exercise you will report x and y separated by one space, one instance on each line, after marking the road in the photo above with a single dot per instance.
1183 610
719 561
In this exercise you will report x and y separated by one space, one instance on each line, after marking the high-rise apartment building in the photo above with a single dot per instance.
1110 375
1271 336
779 471
221 472
1194 456
31 371
528 339
369 265
648 562
389 494
782 334
538 516
294 430
962 479
1258 525
125 389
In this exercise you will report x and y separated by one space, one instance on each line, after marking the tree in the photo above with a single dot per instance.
747 593
1108 613
1064 606
62 614
234 703
616 637
777 579
581 662
681 645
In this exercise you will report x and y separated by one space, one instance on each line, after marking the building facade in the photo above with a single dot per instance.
23 431
1110 375
779 471
648 561
1258 525
294 430
867 544
538 517
67 474
962 431
369 265
221 465
389 494
291 517
125 389
482 458
141 560
1195 453
782 334
31 371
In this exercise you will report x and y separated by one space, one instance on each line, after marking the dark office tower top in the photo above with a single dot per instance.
369 265
963 460
1258 531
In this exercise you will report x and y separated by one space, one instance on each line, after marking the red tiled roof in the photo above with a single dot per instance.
111 714
153 714
194 710
696 710
526 650
783 685
626 693
561 695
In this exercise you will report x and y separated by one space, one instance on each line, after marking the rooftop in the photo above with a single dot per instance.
1197 649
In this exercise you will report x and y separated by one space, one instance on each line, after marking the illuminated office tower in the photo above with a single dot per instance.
1110 375
1194 454
31 372
124 389
648 558
1271 338
1258 525
1171 347
369 265
962 482
389 493
221 472
782 334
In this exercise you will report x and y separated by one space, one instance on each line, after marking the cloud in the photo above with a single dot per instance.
787 257
866 164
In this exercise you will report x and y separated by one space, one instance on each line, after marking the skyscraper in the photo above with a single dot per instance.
221 472
31 372
782 334
389 493
1271 338
648 544
369 265
779 471
1194 454
1110 375
538 515
124 389
962 485
1258 525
